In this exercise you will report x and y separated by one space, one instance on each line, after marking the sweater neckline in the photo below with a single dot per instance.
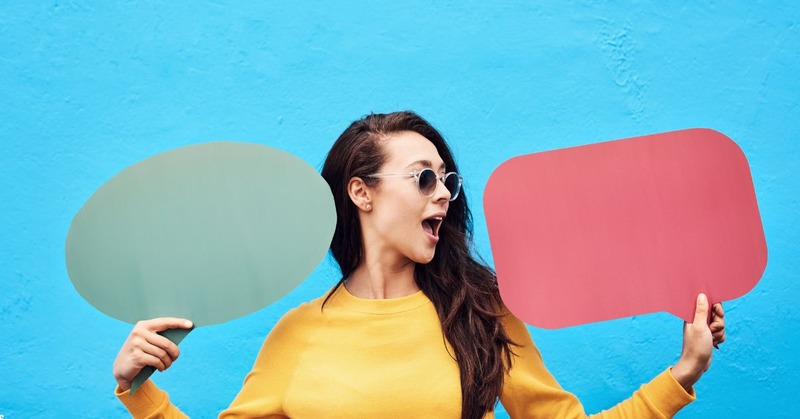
381 305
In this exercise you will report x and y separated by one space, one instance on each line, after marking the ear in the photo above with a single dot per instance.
359 193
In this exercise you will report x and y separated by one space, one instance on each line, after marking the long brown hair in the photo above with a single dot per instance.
463 290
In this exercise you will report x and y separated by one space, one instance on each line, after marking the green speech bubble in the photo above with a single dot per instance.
209 232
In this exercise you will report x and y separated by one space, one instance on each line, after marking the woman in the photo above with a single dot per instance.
415 327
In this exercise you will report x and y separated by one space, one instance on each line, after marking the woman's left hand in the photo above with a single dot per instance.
698 339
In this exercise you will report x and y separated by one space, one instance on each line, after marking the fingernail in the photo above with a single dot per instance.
187 323
702 298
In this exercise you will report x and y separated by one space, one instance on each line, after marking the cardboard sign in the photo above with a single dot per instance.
209 232
623 228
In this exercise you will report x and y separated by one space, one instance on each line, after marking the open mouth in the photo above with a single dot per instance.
431 225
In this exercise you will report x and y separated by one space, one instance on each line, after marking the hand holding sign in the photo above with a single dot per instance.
625 227
209 232
698 338
152 344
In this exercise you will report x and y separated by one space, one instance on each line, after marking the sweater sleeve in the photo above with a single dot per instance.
530 390
149 402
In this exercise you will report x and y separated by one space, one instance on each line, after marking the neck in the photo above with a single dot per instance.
377 279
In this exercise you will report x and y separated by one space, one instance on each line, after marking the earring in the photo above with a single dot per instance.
368 207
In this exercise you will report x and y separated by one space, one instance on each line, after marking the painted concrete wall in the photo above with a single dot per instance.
88 88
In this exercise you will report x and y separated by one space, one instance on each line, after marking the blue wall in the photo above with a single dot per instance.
88 88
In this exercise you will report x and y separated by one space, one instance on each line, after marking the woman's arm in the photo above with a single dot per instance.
145 347
698 338
264 389
531 391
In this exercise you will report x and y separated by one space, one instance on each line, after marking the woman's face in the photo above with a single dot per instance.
403 224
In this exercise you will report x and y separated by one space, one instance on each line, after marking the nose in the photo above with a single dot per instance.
441 192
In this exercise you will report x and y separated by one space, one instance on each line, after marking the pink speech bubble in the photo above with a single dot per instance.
625 227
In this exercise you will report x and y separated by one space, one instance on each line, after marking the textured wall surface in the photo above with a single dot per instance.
89 88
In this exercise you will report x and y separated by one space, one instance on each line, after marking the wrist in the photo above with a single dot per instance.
686 373
123 384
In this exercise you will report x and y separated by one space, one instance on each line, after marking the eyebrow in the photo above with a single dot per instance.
425 163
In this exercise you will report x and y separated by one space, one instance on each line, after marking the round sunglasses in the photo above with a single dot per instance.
426 181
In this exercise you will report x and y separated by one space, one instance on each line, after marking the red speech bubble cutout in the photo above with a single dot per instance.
625 227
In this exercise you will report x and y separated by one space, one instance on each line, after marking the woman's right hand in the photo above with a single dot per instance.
145 346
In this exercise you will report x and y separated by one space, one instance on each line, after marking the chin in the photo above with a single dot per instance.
425 259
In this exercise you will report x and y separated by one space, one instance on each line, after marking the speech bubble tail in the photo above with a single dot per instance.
174 335
686 314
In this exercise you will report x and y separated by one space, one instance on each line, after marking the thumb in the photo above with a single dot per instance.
163 323
701 310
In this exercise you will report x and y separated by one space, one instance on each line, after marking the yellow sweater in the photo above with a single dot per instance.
386 359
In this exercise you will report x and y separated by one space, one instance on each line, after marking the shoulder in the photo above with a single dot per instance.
301 320
294 330
518 332
513 326
307 311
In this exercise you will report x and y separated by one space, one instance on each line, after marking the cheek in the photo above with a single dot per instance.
400 219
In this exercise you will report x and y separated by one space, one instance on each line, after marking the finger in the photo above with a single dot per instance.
163 343
145 359
716 326
718 311
155 351
139 345
701 310
163 323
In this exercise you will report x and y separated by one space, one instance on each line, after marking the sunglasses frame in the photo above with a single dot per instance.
418 173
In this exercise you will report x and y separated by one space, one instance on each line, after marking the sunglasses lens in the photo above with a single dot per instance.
453 184
427 182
